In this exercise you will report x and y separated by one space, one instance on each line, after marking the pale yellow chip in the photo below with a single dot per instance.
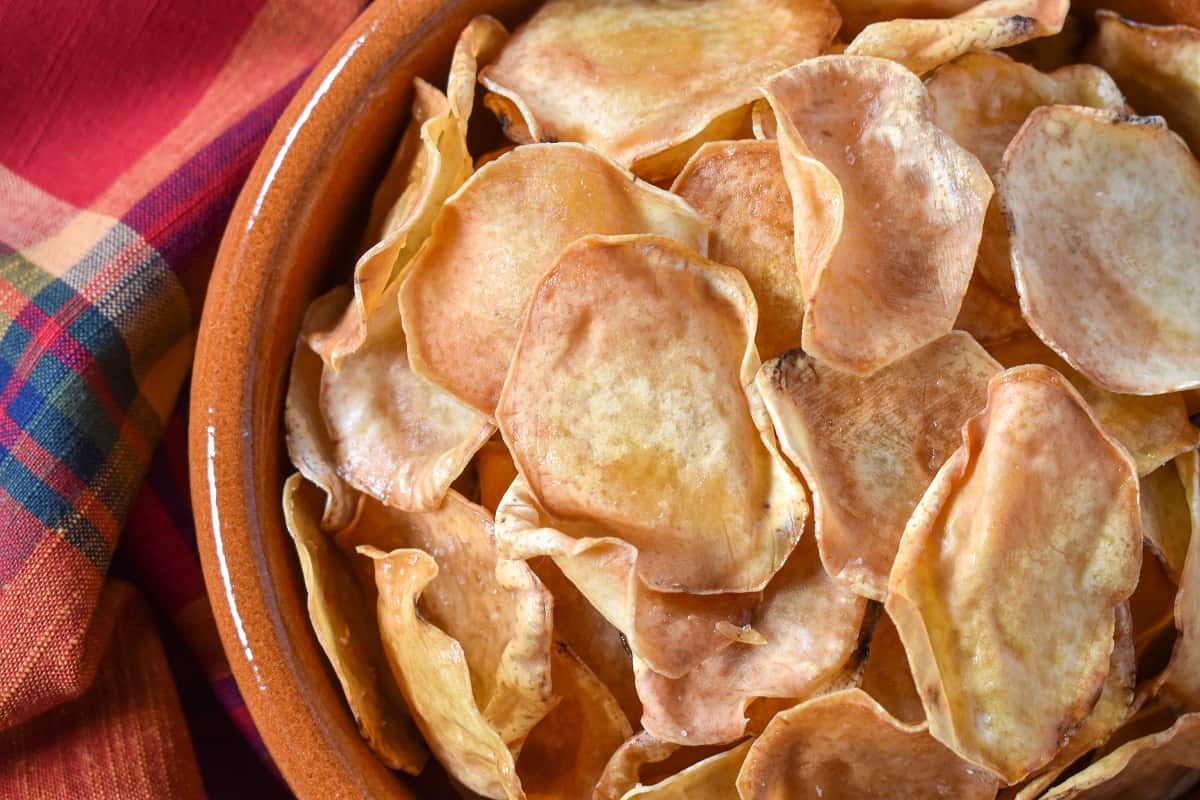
868 447
1156 767
906 205
924 44
738 188
1181 679
566 752
346 630
1104 256
495 611
430 164
981 100
807 628
845 746
309 444
1153 429
630 409
887 677
1158 66
1166 517
465 294
858 14
1037 510
637 78
714 778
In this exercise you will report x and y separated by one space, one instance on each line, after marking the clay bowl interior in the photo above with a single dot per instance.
294 232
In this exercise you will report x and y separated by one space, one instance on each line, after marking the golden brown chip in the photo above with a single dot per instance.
858 14
981 100
1103 256
808 628
738 188
1156 767
988 315
1158 66
346 630
309 444
923 44
630 410
868 447
906 205
496 471
1181 679
1037 510
1049 53
846 746
465 294
887 678
1166 517
636 78
496 612
567 751
714 778
1153 429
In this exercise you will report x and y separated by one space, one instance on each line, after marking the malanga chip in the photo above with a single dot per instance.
739 190
636 78
1166 517
868 447
907 201
1153 429
496 471
1152 607
987 314
1104 256
858 14
845 746
807 627
347 632
1037 510
643 759
923 44
1158 66
1154 767
631 407
496 611
887 677
1181 679
465 293
714 778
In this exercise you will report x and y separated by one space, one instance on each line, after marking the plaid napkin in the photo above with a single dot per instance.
126 130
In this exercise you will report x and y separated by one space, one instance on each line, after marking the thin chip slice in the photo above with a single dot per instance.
309 444
566 753
887 677
868 447
762 120
807 628
465 294
496 611
630 408
496 471
645 760
924 44
1048 53
1181 678
1161 766
714 778
1037 509
738 188
635 78
845 746
341 617
1107 232
1158 66
907 205
1166 517
671 631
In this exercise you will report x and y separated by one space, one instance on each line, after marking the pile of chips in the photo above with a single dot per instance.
772 399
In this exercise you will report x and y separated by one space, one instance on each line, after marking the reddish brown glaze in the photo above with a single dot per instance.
292 233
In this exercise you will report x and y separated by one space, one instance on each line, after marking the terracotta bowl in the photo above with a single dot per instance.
293 233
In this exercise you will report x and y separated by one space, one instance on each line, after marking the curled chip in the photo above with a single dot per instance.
981 100
906 203
430 164
887 677
638 78
1154 767
738 188
465 293
1109 235
643 759
844 746
868 447
309 444
495 612
714 778
923 44
566 752
807 627
346 631
1158 66
630 409
1037 509
1153 429
671 631
1181 679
